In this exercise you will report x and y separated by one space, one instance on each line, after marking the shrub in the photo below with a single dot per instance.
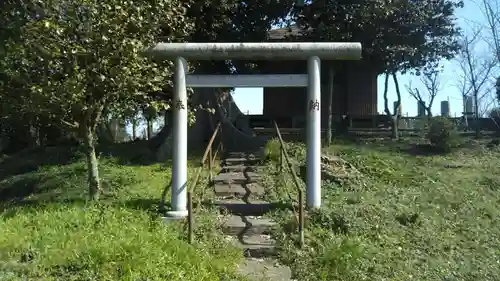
442 134
272 150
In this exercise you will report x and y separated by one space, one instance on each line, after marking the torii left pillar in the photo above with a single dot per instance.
180 135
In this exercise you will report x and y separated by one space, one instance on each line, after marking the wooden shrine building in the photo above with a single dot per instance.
354 94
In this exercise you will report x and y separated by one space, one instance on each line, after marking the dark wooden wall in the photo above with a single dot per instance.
355 91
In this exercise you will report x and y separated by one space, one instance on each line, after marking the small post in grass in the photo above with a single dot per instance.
190 217
281 158
210 176
221 140
301 218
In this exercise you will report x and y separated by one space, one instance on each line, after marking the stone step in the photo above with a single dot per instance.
247 225
238 168
238 190
237 178
245 154
247 207
255 269
255 246
231 161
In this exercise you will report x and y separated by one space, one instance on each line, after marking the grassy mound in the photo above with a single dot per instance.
49 232
406 217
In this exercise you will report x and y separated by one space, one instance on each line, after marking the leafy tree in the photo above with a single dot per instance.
13 125
397 36
234 21
76 58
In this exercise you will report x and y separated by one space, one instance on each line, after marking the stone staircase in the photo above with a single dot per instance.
239 193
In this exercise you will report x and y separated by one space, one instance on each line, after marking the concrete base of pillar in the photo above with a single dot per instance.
175 215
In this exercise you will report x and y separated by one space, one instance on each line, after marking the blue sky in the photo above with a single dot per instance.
250 100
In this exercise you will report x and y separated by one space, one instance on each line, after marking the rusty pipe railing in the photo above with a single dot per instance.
284 158
209 155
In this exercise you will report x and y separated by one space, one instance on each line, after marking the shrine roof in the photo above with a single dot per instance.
283 33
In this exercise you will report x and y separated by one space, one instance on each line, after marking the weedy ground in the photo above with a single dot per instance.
49 232
401 213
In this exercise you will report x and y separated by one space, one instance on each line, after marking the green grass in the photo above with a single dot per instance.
404 217
49 232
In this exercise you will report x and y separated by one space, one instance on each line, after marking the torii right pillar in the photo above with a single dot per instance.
313 162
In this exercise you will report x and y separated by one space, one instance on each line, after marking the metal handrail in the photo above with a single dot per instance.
284 156
211 155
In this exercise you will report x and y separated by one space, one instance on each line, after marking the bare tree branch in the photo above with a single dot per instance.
476 72
491 11
414 92
431 81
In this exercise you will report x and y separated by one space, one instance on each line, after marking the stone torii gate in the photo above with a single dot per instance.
312 52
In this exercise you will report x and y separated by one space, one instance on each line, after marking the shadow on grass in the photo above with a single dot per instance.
55 186
30 160
12 208
135 153
23 183
146 204
36 190
138 153
19 190
426 149
404 146
44 185
409 146
423 150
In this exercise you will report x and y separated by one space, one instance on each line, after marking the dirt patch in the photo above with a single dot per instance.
337 170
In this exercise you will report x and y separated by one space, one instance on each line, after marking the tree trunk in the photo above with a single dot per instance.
149 128
33 132
394 127
104 133
134 129
429 115
94 183
160 143
476 116
395 123
393 117
331 75
114 124
167 117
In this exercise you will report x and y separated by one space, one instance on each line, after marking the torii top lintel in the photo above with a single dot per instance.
257 51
